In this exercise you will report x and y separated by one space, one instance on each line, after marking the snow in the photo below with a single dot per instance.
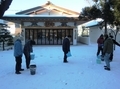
93 22
40 16
81 72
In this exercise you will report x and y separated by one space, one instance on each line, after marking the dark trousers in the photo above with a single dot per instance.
65 57
18 63
100 49
27 57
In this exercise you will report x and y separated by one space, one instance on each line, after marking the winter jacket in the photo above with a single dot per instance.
100 41
28 48
66 45
18 48
108 46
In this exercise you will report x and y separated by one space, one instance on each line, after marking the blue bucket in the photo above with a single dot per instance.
98 60
32 56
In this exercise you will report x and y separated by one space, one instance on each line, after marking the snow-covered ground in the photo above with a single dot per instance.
81 72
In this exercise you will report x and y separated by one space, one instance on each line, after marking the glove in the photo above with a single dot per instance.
20 56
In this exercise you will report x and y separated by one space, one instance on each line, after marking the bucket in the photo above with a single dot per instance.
33 69
98 60
32 56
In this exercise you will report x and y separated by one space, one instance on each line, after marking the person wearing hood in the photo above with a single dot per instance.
66 47
107 50
27 50
100 42
18 56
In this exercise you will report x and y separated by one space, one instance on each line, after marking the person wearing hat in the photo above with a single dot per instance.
107 50
116 43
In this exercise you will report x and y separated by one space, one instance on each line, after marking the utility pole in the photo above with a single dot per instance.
105 18
106 10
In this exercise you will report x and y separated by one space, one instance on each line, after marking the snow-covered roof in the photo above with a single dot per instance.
93 23
40 16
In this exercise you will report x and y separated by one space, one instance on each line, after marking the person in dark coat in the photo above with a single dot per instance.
107 50
116 43
100 42
18 56
27 50
66 47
